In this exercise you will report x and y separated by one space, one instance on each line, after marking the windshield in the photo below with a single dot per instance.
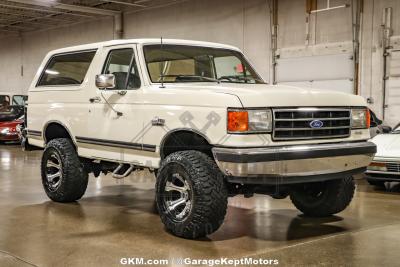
181 63
19 100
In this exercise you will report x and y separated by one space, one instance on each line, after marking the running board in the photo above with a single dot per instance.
117 175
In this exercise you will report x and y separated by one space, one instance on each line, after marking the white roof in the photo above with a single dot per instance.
142 41
6 93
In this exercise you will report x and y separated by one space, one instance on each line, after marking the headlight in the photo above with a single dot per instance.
249 121
5 131
360 118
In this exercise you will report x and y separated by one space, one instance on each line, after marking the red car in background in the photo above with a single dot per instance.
8 130
11 117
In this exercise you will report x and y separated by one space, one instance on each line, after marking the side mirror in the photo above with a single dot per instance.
373 124
104 81
386 129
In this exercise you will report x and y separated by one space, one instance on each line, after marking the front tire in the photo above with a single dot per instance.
63 176
323 199
191 194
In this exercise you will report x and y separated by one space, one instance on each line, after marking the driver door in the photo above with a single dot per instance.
116 120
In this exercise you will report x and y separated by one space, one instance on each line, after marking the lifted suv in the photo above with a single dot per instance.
199 116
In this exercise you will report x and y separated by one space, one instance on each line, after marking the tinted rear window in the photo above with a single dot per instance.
66 69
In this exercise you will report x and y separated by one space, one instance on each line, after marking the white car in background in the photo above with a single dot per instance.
386 164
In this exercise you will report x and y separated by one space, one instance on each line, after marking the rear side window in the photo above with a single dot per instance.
66 69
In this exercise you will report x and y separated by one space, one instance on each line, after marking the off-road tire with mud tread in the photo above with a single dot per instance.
74 179
210 196
334 198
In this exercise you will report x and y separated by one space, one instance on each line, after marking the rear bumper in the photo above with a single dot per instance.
294 164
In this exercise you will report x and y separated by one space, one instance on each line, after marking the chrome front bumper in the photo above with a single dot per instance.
294 164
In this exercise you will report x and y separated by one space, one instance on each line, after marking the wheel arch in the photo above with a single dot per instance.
184 139
56 129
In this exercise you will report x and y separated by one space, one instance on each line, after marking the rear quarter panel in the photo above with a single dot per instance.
66 105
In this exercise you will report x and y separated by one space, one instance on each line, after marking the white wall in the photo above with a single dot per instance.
325 27
10 65
315 50
28 50
372 71
243 23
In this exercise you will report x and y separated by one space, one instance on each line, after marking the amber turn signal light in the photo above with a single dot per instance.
238 121
377 164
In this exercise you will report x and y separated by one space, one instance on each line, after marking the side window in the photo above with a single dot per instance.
19 100
122 63
67 69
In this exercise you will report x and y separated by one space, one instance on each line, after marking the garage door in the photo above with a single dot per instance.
333 72
392 88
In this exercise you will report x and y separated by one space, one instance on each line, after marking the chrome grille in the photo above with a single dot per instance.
393 166
295 124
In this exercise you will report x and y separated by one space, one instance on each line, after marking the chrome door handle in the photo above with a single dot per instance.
95 99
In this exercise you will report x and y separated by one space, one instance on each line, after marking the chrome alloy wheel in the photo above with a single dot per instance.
177 197
53 171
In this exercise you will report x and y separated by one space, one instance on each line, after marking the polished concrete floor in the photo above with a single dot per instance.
116 219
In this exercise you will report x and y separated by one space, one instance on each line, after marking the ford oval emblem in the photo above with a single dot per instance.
316 124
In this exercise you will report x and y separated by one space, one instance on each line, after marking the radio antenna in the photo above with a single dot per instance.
163 66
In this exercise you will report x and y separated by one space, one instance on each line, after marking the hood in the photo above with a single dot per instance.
263 95
388 145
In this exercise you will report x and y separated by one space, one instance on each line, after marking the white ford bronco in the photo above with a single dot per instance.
199 116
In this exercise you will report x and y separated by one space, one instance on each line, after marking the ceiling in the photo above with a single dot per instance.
19 16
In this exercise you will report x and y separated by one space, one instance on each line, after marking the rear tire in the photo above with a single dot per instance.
324 198
192 179
63 176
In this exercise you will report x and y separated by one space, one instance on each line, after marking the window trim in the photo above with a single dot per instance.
63 54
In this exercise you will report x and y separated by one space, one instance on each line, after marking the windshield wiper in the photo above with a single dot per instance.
238 79
183 76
